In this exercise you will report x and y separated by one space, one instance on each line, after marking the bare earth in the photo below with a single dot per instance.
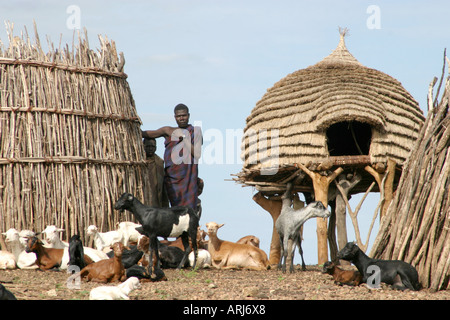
211 284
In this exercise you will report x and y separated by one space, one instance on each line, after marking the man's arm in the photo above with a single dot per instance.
161 132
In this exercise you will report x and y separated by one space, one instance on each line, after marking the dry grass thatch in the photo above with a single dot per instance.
69 135
416 228
304 104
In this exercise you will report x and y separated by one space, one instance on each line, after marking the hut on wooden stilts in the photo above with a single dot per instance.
70 140
334 129
416 228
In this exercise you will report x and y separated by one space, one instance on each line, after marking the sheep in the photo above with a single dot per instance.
128 231
109 270
289 223
163 222
103 240
17 244
5 294
48 258
252 240
399 274
76 253
348 277
227 254
119 292
52 236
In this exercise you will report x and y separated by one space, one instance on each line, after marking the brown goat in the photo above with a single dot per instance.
47 258
348 277
107 270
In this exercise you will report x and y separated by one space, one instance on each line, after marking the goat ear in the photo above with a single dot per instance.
220 225
60 230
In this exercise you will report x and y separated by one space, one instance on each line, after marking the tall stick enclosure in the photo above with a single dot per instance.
70 140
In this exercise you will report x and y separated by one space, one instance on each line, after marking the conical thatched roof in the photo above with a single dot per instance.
302 106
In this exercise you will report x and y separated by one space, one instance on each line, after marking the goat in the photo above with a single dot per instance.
252 240
24 260
288 227
48 258
399 274
108 270
54 241
128 231
141 273
119 292
5 294
7 260
103 239
227 254
348 277
170 256
163 222
130 256
76 253
203 259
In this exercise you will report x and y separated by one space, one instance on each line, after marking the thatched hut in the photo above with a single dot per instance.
69 136
335 117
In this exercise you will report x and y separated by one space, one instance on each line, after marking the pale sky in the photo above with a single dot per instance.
220 57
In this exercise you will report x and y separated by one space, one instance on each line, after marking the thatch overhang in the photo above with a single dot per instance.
336 113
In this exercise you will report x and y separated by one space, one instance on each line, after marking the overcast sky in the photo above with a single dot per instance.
220 57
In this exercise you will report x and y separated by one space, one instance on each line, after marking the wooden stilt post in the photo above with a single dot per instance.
386 190
321 184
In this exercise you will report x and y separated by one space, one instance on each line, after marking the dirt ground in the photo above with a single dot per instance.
212 284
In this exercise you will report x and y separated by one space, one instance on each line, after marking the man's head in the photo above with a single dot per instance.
149 146
181 115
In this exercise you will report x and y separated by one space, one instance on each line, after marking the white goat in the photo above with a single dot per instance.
55 242
288 226
103 240
203 259
7 260
118 292
128 231
17 244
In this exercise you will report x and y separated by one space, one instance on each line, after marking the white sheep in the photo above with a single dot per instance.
103 240
118 292
54 241
128 231
17 244
203 259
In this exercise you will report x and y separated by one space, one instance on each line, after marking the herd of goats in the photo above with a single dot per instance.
149 254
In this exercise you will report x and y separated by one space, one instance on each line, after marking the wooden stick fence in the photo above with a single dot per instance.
70 140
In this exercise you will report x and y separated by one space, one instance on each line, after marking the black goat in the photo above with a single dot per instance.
163 222
130 256
76 253
399 274
171 257
5 294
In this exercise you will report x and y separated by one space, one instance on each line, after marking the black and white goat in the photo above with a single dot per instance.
163 222
288 226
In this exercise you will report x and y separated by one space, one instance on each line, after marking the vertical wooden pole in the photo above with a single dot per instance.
321 184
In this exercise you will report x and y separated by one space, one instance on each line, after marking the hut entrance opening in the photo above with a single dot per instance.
349 138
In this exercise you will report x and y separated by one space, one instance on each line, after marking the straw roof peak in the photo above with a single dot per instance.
340 55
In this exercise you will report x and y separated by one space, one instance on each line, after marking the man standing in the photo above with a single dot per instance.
183 149
158 195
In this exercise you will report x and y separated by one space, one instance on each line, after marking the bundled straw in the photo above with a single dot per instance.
69 136
416 228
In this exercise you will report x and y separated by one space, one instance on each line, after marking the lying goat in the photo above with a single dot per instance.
399 274
288 227
119 292
348 277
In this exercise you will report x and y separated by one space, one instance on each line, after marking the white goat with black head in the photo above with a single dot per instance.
288 226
